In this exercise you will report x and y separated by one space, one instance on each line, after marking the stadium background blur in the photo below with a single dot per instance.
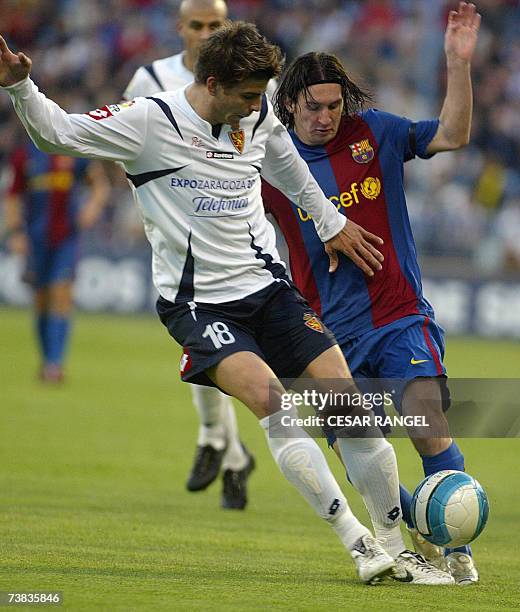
464 206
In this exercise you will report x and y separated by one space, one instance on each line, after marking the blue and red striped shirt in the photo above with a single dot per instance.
49 186
361 171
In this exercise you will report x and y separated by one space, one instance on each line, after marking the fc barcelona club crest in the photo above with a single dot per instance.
362 151
238 139
312 321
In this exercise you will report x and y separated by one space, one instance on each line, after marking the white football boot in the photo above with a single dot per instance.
373 563
462 568
414 569
432 553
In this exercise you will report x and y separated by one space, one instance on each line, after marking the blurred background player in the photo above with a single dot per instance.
198 19
44 217
218 445
384 325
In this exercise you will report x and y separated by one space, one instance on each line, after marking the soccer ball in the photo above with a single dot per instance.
449 508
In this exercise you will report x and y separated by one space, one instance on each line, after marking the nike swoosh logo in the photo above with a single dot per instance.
414 361
406 578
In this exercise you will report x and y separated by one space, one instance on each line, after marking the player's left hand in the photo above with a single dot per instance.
460 39
358 245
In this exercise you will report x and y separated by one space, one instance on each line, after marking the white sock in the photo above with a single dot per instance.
372 469
303 464
208 402
235 458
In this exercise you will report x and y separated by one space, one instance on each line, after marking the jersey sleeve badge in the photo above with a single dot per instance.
100 113
109 110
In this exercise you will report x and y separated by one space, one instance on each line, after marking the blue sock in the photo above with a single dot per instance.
56 337
406 501
41 333
449 459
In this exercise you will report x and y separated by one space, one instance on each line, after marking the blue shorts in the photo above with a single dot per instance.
48 265
409 348
276 323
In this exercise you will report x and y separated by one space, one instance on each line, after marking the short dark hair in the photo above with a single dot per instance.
311 69
236 52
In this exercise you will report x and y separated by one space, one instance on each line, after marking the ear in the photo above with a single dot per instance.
211 85
290 107
178 26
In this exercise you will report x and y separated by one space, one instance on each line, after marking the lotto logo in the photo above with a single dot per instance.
394 513
219 155
100 113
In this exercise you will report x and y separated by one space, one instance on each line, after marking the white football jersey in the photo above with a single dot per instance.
197 185
167 74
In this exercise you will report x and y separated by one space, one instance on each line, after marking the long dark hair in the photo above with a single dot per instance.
311 69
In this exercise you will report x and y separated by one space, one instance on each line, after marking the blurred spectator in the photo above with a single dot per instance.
91 48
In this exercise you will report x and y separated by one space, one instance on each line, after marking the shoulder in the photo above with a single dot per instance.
171 72
271 88
386 125
376 115
160 75
141 84
172 98
172 62
266 116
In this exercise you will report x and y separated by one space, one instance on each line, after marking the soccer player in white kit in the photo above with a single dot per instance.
218 444
194 158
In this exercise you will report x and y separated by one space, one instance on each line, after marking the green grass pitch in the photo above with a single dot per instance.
92 499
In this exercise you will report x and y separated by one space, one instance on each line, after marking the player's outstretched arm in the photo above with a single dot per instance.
100 134
14 67
358 245
460 41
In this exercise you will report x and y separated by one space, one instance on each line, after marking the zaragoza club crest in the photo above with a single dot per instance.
313 322
362 151
238 138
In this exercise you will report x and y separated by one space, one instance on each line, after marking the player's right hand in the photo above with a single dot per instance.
14 67
358 245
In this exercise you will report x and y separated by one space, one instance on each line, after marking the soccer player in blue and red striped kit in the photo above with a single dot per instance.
45 213
384 325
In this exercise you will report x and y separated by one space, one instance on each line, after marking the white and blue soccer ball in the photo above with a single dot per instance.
449 508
